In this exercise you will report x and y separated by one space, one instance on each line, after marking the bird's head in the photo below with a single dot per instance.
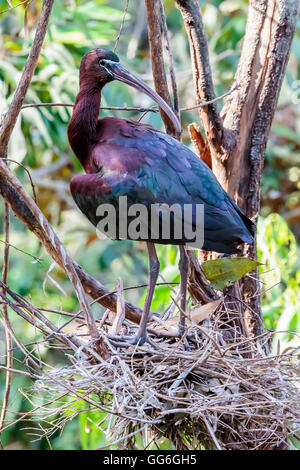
103 66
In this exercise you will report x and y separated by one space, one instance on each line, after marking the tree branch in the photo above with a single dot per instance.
10 118
6 322
27 211
170 55
250 110
7 126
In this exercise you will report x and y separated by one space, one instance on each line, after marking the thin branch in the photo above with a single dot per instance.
8 123
27 211
28 174
15 371
122 438
36 258
43 324
106 108
10 118
118 321
122 24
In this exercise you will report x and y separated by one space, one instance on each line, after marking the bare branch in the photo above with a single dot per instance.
158 67
43 324
12 7
122 24
206 103
212 122
9 352
118 321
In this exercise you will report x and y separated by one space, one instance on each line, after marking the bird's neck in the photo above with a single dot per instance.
82 129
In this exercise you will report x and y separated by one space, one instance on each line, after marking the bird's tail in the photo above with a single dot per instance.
249 226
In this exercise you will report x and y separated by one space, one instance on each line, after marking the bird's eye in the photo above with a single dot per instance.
102 62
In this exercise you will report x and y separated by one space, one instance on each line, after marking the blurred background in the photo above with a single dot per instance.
39 143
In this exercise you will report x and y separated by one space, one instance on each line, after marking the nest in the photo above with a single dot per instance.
211 389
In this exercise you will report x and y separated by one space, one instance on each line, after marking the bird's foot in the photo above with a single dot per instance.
126 341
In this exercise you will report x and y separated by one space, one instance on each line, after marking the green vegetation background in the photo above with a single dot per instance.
40 143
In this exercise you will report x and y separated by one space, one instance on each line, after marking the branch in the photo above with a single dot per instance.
122 24
249 113
42 323
158 67
15 6
206 103
170 55
201 147
211 119
250 110
10 118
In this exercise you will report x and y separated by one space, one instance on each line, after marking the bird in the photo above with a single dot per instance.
123 158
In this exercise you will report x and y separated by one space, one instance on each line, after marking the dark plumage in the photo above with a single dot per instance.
126 158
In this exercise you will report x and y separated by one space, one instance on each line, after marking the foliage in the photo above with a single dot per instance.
279 253
224 272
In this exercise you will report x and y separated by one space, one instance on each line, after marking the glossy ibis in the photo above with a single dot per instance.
122 157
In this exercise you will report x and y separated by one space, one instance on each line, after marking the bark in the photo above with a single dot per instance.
249 114
238 145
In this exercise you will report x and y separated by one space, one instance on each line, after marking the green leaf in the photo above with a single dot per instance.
223 272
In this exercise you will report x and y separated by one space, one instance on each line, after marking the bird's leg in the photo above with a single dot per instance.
184 264
141 336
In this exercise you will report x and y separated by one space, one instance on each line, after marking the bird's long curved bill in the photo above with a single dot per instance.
123 75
